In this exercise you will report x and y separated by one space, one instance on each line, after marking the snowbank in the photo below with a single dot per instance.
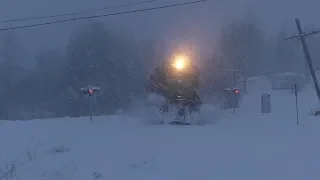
245 145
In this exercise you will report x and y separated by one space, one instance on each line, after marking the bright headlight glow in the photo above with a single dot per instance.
180 62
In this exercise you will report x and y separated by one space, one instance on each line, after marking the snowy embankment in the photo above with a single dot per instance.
245 145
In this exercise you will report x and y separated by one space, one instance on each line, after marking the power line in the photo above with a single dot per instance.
77 13
103 15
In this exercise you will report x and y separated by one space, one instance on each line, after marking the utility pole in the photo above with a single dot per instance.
302 37
306 71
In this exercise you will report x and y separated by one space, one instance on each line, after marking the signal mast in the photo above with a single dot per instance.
90 91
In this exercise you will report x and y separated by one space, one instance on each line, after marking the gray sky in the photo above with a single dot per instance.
198 23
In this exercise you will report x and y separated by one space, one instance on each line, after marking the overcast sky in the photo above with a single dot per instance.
198 23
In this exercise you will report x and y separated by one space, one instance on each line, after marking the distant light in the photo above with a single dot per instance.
236 91
90 91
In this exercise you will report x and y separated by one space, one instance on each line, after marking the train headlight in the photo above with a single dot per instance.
180 62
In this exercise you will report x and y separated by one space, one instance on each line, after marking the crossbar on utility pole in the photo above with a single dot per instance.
302 37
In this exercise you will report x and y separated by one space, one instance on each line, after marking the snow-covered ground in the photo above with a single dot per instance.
246 145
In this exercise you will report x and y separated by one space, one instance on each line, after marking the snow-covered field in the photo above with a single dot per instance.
242 146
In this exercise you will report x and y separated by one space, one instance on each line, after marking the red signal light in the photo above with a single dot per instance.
236 91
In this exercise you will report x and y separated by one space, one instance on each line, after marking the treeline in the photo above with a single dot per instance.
245 46
118 64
